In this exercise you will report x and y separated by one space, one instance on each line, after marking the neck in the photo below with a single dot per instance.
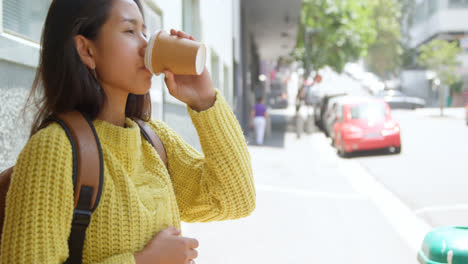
114 107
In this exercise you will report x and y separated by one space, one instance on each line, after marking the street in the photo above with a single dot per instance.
314 207
430 174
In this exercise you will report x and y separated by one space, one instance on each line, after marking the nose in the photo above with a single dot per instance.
144 44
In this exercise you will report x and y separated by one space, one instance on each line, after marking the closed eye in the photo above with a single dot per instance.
133 32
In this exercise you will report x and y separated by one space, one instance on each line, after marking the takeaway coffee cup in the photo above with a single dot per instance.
179 55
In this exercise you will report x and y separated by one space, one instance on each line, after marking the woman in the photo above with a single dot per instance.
92 61
258 119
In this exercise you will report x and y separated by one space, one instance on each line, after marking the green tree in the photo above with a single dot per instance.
440 56
385 55
407 9
334 32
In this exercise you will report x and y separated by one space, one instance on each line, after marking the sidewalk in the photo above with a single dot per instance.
307 212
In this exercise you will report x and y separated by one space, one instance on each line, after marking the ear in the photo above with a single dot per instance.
85 49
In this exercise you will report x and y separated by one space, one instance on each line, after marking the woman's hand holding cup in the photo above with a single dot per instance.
182 59
195 90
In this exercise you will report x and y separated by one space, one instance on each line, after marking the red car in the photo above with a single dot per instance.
366 124
466 114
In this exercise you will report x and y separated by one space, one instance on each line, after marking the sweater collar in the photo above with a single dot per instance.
119 139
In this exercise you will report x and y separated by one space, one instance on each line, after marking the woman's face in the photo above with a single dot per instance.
121 48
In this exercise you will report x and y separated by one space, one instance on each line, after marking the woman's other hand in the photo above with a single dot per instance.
167 247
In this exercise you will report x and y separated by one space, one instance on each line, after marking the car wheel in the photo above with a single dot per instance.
342 152
395 150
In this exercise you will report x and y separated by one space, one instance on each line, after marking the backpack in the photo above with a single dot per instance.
88 174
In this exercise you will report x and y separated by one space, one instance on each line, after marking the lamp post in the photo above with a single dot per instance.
434 79
441 95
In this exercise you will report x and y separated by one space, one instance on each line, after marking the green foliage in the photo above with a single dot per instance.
334 32
456 87
385 54
440 56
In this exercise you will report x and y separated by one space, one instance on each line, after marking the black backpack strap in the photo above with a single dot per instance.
88 177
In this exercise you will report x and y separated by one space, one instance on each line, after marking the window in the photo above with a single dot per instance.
424 10
215 70
153 21
191 18
371 111
227 84
25 17
433 6
458 3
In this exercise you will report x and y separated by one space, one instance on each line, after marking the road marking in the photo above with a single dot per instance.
406 223
455 207
299 192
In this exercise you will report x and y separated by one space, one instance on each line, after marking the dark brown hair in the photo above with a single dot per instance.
63 82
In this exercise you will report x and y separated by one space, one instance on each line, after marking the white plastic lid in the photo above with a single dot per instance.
201 59
149 51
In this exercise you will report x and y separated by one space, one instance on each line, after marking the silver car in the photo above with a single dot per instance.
396 99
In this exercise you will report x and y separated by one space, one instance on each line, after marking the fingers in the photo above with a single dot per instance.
181 34
170 81
192 242
192 254
172 231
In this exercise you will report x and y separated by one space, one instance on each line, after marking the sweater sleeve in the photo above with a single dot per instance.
39 204
219 184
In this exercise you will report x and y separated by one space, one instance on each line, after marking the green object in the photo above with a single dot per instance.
332 33
445 245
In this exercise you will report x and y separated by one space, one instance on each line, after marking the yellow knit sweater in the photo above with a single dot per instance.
139 197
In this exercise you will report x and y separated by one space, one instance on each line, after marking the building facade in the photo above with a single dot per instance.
442 19
216 23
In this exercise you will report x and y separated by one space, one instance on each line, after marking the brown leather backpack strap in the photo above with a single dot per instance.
89 167
153 139
88 177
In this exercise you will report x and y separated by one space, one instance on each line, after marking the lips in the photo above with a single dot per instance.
146 70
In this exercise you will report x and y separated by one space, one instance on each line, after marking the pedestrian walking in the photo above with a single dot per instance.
258 120
92 61
298 117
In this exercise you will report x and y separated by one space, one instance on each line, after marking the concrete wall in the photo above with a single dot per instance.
444 20
19 55
15 84
441 20
415 83
216 31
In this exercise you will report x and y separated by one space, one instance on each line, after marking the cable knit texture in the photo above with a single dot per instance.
139 198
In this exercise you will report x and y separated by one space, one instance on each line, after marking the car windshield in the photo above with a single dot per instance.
390 93
370 111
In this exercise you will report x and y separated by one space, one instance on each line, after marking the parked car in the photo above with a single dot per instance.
366 124
278 96
396 99
320 110
331 116
466 114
